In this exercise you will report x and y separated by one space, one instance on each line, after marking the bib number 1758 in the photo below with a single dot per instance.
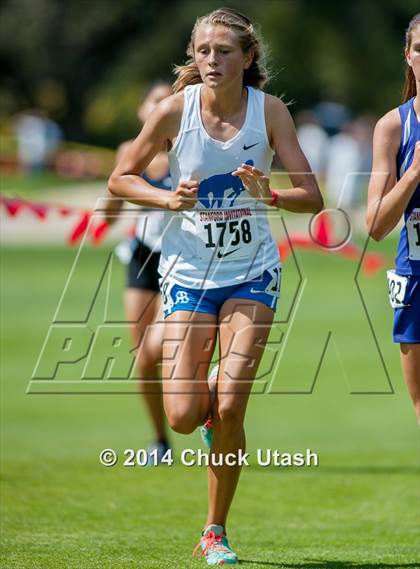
230 233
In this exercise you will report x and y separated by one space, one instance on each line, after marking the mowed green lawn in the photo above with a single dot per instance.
358 509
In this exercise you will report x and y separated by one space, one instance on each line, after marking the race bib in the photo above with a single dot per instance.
397 286
413 234
227 234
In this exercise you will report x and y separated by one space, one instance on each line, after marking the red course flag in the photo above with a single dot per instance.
323 230
64 211
80 228
98 233
13 205
39 209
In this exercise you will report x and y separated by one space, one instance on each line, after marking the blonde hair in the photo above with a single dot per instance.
256 75
409 89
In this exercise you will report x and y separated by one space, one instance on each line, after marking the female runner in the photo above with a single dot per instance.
394 192
219 263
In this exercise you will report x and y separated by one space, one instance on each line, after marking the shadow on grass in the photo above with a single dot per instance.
331 565
357 470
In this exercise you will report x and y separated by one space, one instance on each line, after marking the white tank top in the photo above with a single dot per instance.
226 239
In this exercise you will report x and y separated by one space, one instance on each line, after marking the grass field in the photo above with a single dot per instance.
358 509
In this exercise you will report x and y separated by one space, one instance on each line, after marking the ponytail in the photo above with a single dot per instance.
409 89
187 74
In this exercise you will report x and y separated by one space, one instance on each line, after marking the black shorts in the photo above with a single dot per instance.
143 269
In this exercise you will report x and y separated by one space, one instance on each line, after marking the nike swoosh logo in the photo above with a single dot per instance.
250 146
220 255
261 291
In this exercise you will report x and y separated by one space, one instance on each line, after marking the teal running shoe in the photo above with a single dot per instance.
215 547
206 432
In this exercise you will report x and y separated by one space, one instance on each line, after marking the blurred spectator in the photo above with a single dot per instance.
313 140
363 133
348 166
76 163
342 167
331 116
37 139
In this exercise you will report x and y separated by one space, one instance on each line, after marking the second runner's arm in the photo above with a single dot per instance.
387 198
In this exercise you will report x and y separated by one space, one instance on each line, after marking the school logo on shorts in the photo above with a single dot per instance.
181 297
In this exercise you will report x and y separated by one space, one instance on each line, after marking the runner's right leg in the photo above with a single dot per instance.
188 345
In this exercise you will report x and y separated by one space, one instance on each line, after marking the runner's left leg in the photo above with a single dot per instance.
244 326
410 363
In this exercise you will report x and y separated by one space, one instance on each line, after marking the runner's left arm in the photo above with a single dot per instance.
305 195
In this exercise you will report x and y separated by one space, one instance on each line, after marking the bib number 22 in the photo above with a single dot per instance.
397 286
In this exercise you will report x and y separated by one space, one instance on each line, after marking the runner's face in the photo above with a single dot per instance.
156 95
219 56
413 54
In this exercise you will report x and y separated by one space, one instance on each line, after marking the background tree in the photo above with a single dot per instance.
87 62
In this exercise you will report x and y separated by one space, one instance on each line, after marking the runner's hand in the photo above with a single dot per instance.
255 181
415 164
184 197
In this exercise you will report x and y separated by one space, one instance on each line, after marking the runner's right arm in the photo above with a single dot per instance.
160 129
113 205
387 198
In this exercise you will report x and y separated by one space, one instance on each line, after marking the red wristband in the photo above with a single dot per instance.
274 196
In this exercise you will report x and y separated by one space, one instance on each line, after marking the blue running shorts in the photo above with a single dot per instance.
265 289
407 319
